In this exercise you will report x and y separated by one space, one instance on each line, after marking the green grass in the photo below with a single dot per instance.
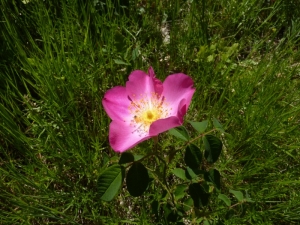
58 58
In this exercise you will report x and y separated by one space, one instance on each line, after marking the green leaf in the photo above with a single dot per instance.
180 191
210 58
247 197
213 176
207 188
120 62
137 179
206 222
225 199
180 132
213 148
178 172
105 159
199 196
126 157
193 156
188 204
218 126
238 194
190 174
114 159
110 181
170 213
199 126
135 53
120 42
138 157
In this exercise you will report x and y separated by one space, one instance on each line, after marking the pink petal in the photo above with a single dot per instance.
158 86
182 109
116 103
122 136
163 125
140 85
151 72
178 92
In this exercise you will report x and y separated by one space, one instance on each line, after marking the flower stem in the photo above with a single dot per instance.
165 178
155 139
201 135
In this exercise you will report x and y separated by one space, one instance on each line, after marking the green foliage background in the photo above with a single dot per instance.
59 57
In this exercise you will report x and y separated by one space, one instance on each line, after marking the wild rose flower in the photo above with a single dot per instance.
146 107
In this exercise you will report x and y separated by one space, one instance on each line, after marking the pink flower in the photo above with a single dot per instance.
146 107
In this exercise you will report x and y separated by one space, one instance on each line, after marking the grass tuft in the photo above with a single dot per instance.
58 58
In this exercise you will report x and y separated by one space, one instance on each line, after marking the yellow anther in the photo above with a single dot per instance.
146 110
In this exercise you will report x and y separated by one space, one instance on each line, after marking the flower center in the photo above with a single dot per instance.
147 110
150 116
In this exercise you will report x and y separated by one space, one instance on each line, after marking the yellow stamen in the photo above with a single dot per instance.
146 110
